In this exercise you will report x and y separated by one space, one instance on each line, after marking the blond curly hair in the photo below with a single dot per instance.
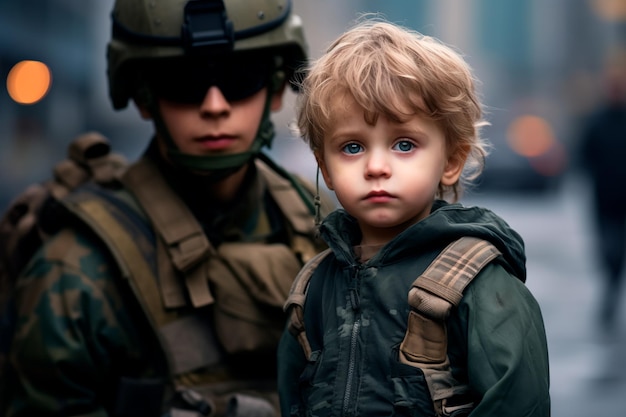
396 72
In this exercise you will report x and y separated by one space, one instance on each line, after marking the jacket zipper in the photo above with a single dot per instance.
356 305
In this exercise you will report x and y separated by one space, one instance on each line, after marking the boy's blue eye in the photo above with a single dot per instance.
352 148
404 146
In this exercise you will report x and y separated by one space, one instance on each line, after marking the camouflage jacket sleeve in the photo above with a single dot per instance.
72 333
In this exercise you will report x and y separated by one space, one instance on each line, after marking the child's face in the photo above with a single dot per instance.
385 175
215 125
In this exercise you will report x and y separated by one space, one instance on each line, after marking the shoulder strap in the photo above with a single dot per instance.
279 180
185 340
180 235
451 271
131 243
295 302
432 296
295 197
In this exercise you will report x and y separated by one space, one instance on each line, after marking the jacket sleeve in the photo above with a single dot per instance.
507 351
291 363
69 323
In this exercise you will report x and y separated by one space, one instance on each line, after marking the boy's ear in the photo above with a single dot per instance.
320 163
453 169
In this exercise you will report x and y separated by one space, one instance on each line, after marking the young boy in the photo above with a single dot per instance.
393 119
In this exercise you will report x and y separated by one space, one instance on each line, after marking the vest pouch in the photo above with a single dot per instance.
251 282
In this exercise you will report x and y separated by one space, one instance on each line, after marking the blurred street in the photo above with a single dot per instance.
539 64
588 368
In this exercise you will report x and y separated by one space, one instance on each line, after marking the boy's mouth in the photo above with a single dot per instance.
379 196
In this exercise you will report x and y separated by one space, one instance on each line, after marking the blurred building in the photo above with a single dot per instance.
69 37
536 60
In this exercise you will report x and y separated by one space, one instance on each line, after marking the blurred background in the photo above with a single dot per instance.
541 66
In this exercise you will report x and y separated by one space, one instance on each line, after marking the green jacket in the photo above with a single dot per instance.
84 343
355 318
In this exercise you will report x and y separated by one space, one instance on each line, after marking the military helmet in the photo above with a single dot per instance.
147 30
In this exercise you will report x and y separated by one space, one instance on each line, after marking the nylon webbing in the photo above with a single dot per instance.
129 259
453 269
288 200
185 240
295 302
432 295
298 288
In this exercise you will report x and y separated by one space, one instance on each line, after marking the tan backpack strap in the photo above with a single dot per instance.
183 237
431 297
454 268
295 302
293 206
288 200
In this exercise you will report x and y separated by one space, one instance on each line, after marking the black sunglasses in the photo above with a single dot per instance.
188 80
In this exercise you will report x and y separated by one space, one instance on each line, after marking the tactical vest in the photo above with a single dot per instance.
167 260
431 297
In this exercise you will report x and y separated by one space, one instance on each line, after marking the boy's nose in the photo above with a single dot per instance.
377 165
214 103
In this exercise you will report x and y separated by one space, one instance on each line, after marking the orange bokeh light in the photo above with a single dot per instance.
29 81
530 136
610 10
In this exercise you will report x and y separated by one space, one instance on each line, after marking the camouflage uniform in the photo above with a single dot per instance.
195 331
82 337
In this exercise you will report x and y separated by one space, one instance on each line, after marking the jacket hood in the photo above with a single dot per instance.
446 223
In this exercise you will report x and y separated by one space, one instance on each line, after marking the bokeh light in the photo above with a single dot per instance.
533 138
29 81
610 10
530 136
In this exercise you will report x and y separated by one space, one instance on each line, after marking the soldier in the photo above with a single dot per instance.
163 294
